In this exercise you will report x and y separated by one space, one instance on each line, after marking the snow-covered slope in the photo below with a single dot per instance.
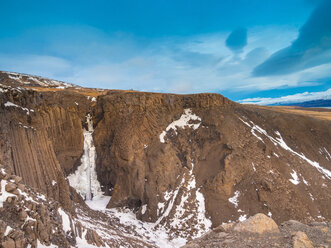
14 79
154 170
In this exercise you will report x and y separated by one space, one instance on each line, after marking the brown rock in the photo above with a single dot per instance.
9 199
300 240
29 229
16 234
23 215
8 243
137 169
224 227
93 238
3 226
42 232
21 187
258 223
20 243
17 179
10 187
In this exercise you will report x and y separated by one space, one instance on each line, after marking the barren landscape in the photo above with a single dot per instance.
91 168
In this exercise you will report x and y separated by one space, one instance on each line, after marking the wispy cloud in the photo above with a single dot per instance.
311 48
295 98
237 40
201 63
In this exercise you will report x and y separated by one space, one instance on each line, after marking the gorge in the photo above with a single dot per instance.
94 167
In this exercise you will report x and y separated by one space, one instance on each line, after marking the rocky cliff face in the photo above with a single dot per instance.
185 163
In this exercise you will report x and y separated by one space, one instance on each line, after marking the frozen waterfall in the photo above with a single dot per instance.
84 180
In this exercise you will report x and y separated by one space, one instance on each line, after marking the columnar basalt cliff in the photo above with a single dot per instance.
183 163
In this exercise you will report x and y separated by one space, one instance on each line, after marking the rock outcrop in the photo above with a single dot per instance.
258 223
28 218
261 231
183 163
300 240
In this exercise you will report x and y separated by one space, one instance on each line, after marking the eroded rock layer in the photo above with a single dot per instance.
185 163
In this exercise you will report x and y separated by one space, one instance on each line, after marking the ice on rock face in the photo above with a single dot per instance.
84 180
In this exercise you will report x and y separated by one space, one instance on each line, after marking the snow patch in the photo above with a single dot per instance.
98 202
253 166
14 77
167 195
10 104
279 141
196 212
328 154
295 177
92 99
65 220
143 209
182 122
81 242
234 200
304 181
4 194
202 212
242 217
157 235
40 245
8 229
41 197
311 196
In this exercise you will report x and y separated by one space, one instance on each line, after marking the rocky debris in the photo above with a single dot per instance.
265 233
185 163
300 240
11 188
258 223
28 217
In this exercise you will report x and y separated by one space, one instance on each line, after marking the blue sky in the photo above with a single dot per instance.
244 49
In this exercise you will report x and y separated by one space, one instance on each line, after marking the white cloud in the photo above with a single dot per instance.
89 57
300 97
48 66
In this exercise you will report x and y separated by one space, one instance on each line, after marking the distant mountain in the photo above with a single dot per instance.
309 104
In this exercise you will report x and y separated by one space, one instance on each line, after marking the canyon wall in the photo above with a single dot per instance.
176 160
